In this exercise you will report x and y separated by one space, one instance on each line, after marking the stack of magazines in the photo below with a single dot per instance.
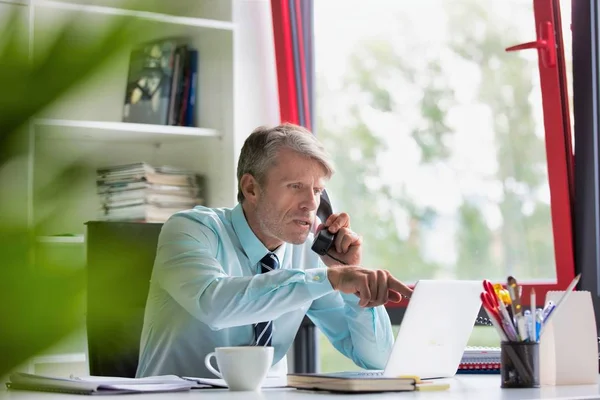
141 192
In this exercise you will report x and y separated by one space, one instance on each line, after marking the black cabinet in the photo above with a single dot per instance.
120 256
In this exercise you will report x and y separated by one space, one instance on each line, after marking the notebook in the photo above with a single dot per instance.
342 383
480 360
95 385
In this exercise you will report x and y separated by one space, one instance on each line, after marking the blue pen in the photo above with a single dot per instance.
547 311
549 306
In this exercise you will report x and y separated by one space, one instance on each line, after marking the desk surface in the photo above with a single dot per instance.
461 387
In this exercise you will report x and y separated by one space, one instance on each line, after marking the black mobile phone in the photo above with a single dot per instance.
324 239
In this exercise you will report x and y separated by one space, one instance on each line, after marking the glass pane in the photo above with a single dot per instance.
438 138
565 15
437 134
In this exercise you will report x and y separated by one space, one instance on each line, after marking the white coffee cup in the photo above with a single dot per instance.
242 368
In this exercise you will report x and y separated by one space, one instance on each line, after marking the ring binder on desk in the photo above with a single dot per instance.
480 360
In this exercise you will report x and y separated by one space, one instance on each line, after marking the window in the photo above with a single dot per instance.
439 139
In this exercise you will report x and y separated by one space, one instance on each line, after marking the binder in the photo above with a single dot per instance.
480 360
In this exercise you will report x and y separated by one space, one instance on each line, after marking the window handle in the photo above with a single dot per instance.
545 45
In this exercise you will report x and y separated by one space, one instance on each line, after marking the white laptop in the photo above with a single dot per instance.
434 332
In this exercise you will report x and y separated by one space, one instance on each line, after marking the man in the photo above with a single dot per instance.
247 276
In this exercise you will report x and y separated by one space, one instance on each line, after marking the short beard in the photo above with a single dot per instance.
270 225
265 215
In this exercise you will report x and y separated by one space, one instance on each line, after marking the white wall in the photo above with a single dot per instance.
255 83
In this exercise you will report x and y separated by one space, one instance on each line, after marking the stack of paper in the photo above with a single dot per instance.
101 385
141 192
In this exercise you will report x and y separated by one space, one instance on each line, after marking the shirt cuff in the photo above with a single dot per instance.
351 299
317 282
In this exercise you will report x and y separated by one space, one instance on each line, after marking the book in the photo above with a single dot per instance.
149 83
356 384
161 83
96 385
140 213
480 360
192 90
115 189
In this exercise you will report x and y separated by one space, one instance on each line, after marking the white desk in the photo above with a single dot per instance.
484 387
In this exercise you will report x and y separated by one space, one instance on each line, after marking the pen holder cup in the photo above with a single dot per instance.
520 364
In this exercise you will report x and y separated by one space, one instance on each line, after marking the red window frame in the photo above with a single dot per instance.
555 101
559 149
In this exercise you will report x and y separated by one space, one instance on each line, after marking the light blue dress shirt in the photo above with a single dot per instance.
207 291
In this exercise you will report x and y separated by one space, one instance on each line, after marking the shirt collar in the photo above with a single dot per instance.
251 245
280 253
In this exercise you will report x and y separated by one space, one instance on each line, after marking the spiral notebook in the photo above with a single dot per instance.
480 360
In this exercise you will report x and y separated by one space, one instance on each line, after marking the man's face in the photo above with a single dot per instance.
289 197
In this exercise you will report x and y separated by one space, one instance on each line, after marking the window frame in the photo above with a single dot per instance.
566 178
586 102
559 156
293 42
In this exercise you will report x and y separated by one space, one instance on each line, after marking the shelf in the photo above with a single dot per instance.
15 2
61 239
119 131
150 16
59 358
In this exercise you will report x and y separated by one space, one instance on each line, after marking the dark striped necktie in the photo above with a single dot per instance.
263 331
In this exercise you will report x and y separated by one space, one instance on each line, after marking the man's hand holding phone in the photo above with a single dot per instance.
346 245
373 287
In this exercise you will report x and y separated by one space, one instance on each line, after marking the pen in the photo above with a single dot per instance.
565 295
513 289
522 369
533 328
568 290
538 323
547 311
521 326
496 324
549 305
529 325
508 325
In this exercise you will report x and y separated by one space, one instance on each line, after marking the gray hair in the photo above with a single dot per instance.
262 146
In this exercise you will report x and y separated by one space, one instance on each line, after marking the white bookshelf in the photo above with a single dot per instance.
66 129
149 16
15 2
76 239
65 364
86 124
236 93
